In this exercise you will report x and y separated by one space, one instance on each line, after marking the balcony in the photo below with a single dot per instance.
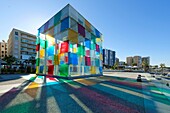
31 46
23 49
24 36
24 41
28 42
24 45
28 37
31 42
32 51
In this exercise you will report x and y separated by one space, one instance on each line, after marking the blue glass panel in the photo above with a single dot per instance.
97 33
75 59
65 24
50 51
61 62
41 69
101 69
87 43
72 58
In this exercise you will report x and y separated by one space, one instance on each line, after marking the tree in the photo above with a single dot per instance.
10 60
32 60
115 65
145 66
162 66
26 62
134 64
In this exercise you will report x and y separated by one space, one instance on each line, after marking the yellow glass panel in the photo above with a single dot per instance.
73 36
42 53
88 25
93 70
74 50
101 57
98 40
56 59
50 39
37 69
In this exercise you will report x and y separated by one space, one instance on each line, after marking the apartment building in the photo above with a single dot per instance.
137 60
108 57
21 44
3 49
129 61
117 61
146 60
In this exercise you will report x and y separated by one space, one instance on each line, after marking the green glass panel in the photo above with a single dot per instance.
63 70
46 44
71 45
42 43
37 40
97 62
93 38
81 50
57 18
37 61
92 46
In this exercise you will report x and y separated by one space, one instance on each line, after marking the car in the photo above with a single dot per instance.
164 74
159 78
168 75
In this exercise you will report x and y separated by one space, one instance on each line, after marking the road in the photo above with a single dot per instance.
112 93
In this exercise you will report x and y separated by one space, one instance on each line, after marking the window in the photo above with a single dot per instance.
2 45
5 48
24 40
2 55
16 38
2 51
16 33
16 47
16 43
16 56
16 52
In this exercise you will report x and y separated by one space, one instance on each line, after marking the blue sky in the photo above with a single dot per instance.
130 27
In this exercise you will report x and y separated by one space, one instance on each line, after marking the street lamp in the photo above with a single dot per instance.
0 66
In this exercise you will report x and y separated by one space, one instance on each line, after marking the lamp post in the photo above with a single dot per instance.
0 66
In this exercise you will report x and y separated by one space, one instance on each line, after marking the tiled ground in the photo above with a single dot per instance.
105 94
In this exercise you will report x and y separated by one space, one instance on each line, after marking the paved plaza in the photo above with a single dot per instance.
115 92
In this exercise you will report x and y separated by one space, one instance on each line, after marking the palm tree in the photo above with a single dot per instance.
162 66
32 61
145 66
26 62
134 64
115 65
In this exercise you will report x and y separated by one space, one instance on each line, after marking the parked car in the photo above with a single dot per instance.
159 78
168 75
